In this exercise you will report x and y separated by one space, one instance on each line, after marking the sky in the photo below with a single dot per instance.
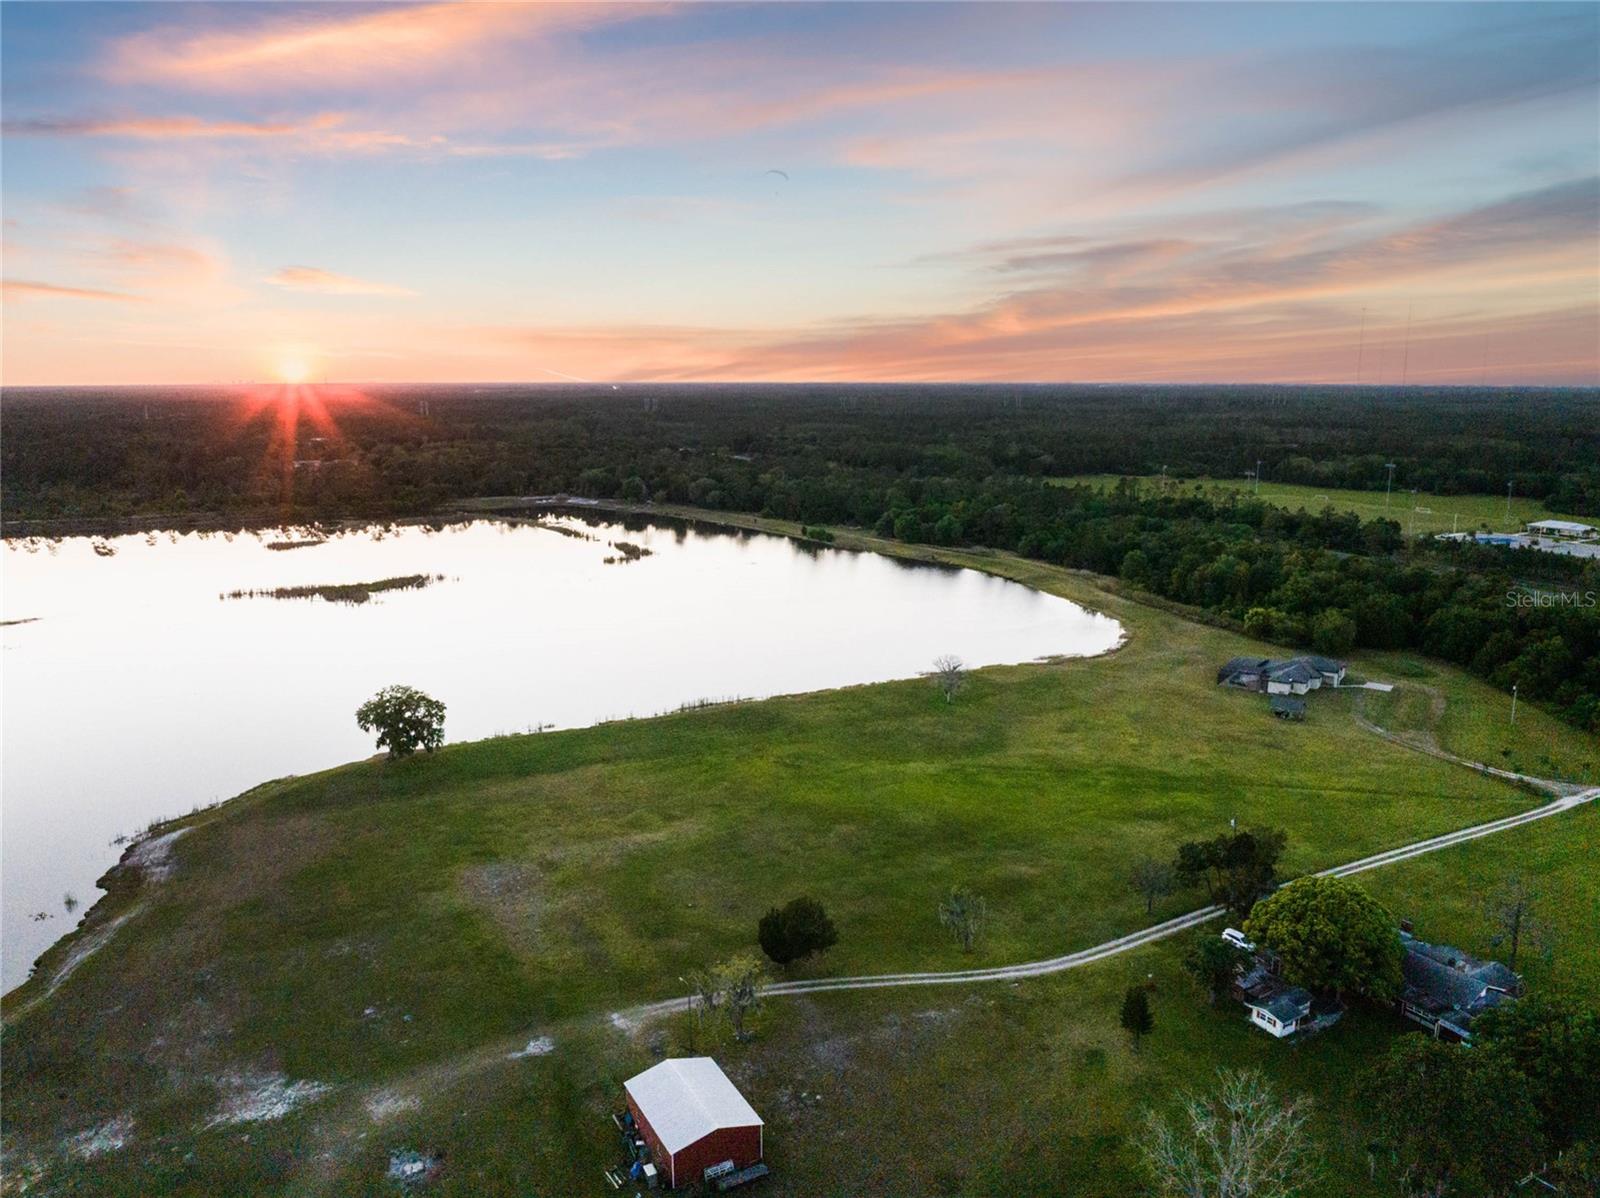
1372 193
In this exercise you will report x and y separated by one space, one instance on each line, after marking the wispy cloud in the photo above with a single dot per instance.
343 49
326 282
323 131
31 289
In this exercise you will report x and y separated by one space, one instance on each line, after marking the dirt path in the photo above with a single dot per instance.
1122 944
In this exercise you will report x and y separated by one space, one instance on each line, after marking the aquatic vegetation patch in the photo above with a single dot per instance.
341 592
626 551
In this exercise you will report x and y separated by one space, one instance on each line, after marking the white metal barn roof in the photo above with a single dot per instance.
687 1098
1570 526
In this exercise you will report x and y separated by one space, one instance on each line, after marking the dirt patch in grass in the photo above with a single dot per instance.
152 857
260 856
97 1141
510 893
255 1097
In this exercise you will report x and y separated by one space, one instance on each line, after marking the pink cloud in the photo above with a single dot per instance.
29 289
344 49
326 282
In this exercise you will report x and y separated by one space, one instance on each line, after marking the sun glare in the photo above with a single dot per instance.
292 368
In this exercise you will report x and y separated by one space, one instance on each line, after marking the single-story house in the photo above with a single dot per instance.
1293 676
1281 1010
1246 672
1560 528
693 1119
1286 708
1445 989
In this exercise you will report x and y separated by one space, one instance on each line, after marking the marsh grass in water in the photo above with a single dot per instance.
627 551
343 592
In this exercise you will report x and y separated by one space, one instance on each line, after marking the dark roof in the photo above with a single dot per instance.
1296 669
1291 706
1442 979
1325 665
1287 1005
1245 665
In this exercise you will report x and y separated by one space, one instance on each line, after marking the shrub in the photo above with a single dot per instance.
796 931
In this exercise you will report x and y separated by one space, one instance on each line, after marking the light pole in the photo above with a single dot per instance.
1513 702
1258 477
1509 483
1388 486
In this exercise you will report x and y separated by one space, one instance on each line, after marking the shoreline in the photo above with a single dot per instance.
126 876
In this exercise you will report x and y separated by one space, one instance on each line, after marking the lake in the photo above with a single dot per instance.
137 690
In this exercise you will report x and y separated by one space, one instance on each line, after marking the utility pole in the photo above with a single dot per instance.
1388 486
1405 357
1361 346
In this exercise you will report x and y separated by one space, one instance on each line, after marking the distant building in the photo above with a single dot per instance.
1445 989
693 1119
1294 676
1286 708
1283 1013
1276 1007
1560 528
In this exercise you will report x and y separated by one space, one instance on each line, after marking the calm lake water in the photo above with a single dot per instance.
137 692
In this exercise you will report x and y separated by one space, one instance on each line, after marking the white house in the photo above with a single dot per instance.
1283 1012
1560 528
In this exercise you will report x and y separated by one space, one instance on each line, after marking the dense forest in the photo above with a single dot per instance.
949 465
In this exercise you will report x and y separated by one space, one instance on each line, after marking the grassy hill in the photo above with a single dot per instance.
1415 512
382 936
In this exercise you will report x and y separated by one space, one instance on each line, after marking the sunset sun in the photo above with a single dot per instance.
292 367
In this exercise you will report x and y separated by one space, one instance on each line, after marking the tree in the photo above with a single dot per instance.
704 998
1241 1141
796 930
1152 880
1333 632
1509 911
1555 1044
1330 934
963 912
1455 1121
1236 868
1214 963
949 675
1138 1020
1576 1172
405 720
738 983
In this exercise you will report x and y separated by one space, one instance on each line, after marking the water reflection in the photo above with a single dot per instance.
137 693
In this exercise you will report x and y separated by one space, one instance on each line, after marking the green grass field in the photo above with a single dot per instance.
393 930
1416 512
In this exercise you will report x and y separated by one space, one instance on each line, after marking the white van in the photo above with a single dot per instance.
1236 938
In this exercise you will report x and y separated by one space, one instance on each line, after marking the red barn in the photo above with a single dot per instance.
692 1118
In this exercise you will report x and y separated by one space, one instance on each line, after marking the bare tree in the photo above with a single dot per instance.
739 990
705 997
1153 880
1510 911
1240 1141
949 674
963 912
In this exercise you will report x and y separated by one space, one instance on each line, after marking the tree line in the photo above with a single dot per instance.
938 465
